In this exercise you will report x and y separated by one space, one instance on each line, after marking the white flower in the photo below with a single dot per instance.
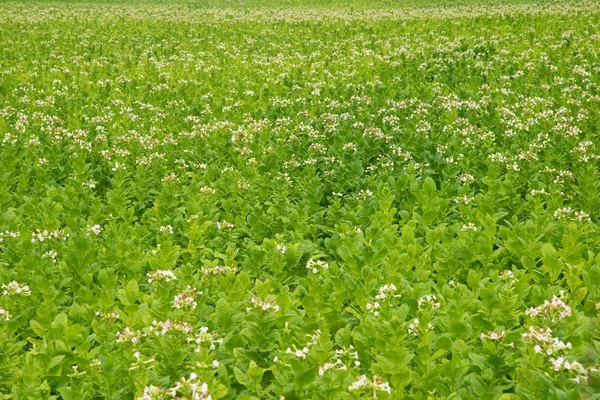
429 300
469 227
15 288
314 266
186 299
166 228
161 275
554 310
4 314
362 382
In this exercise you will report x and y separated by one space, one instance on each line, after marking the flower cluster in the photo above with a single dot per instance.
337 365
110 317
15 288
414 328
224 225
491 335
374 308
94 230
161 275
9 234
386 292
539 192
365 194
581 216
166 228
315 266
466 178
543 341
574 368
554 310
348 353
256 303
218 270
40 235
96 364
314 337
567 212
547 345
51 255
429 302
464 199
191 389
163 327
207 190
154 393
507 276
170 177
206 338
4 314
186 299
298 353
377 384
469 227
281 247
562 212
128 335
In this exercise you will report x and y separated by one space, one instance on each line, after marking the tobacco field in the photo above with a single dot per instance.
300 200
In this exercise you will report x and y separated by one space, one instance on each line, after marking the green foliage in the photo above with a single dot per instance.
340 201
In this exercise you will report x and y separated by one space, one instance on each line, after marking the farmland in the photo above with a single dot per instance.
300 200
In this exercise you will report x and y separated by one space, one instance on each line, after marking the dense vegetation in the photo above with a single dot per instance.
329 203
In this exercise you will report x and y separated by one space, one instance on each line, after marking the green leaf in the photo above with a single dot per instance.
429 187
218 391
551 262
37 328
478 360
242 378
474 279
306 377
132 290
343 337
60 322
400 380
55 361
255 373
